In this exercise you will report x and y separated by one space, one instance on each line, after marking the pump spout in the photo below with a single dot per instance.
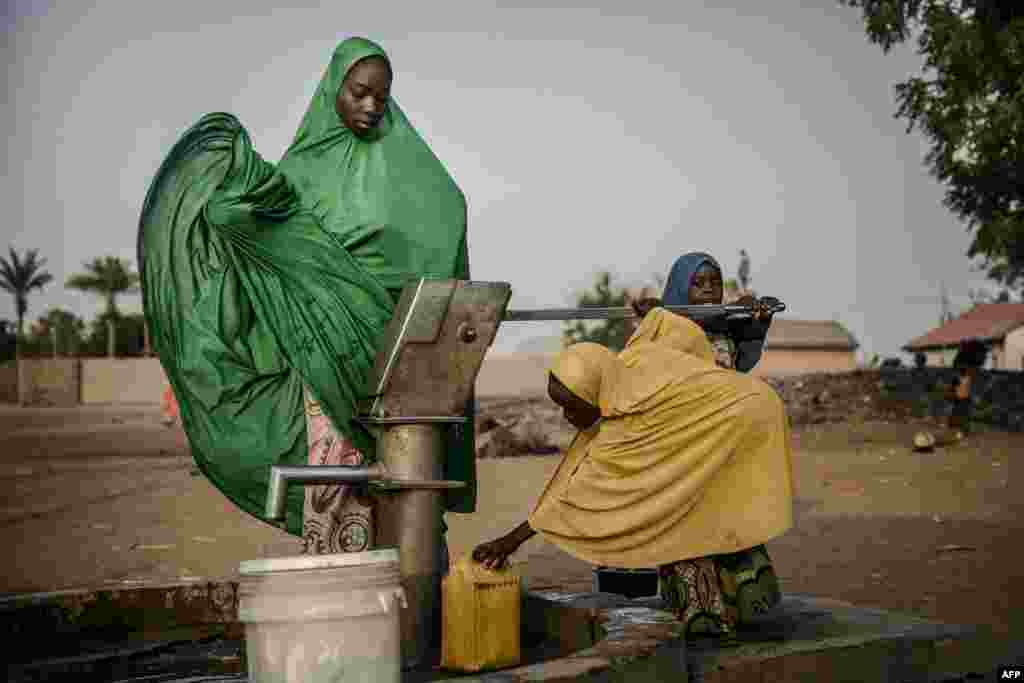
281 476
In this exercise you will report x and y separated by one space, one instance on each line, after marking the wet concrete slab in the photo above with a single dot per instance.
806 638
189 631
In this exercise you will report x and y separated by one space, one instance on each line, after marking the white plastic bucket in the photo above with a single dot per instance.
319 618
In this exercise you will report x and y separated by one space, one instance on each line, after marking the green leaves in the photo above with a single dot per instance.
108 276
20 276
969 103
611 333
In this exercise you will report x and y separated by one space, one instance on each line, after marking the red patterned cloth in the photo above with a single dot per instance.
336 518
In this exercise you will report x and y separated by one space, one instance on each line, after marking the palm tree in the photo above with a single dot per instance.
108 276
19 276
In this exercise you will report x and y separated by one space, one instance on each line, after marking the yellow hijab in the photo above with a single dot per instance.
645 373
672 332
688 460
580 368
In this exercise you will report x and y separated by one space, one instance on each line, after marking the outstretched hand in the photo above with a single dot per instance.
644 306
762 308
494 554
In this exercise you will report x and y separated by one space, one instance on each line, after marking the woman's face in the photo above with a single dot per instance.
706 286
578 412
363 96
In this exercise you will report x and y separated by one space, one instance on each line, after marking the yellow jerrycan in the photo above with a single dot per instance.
481 614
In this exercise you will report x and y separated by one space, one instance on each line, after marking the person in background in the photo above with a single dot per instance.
168 408
969 359
696 279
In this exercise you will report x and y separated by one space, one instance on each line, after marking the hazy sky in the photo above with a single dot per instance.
617 136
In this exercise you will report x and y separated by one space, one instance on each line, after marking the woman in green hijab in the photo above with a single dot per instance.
267 288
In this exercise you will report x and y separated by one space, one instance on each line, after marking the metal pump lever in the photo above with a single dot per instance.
694 312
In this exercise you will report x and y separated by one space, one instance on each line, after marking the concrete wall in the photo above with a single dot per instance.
940 359
782 362
49 381
995 358
1007 355
142 380
122 380
998 395
9 382
74 381
1013 351
515 374
65 381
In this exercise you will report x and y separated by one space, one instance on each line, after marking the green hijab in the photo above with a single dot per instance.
259 280
388 198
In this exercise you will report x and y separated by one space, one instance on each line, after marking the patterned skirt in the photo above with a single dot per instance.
712 595
337 518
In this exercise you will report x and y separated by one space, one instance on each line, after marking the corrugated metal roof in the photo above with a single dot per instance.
987 322
809 334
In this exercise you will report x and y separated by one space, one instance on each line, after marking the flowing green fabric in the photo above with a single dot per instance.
390 201
259 279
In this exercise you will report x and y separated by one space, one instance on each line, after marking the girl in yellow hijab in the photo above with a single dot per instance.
679 464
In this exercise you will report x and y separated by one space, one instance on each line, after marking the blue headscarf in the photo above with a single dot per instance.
677 289
677 293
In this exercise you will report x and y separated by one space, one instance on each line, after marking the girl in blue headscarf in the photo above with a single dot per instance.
696 278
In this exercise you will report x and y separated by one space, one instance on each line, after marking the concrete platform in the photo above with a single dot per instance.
171 630
806 639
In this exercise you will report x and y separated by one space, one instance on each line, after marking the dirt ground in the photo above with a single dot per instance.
106 496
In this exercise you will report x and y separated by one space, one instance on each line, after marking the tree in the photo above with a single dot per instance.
945 308
743 274
7 340
734 288
968 104
730 290
659 283
128 339
109 277
979 296
67 327
611 333
984 296
19 276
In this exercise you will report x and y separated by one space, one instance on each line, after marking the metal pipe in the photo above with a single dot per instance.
695 312
411 520
281 476
408 491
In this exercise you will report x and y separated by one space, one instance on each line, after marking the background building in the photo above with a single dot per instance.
1000 325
